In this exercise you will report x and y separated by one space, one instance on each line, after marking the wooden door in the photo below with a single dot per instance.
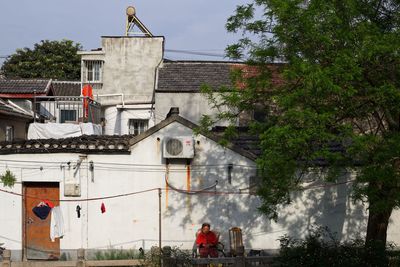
38 245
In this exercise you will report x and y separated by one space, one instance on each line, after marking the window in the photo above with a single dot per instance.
67 115
137 126
94 70
9 133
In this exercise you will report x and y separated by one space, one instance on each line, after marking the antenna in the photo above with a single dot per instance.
132 21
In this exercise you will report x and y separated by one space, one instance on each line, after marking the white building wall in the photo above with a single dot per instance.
117 118
131 221
129 68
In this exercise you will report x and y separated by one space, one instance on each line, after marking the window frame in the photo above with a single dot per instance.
94 69
76 114
140 129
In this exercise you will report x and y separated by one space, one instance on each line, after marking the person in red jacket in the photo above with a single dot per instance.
207 241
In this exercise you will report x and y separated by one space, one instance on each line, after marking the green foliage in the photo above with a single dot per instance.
8 178
48 59
332 102
321 248
171 256
118 254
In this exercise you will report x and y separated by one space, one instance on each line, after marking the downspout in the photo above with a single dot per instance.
153 100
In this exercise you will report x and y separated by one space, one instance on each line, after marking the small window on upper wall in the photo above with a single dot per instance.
94 71
137 126
9 133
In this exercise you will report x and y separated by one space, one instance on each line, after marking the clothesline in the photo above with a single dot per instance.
203 191
82 199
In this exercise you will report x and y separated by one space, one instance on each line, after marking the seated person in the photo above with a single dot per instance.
207 241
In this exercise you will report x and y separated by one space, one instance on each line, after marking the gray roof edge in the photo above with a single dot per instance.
191 125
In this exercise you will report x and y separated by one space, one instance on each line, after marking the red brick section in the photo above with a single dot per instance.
252 71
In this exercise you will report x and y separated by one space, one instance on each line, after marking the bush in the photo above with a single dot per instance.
321 248
118 254
170 256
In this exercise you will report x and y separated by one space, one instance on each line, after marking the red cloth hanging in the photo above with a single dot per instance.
103 208
87 93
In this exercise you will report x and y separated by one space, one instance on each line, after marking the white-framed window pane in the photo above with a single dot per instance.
137 126
96 71
93 70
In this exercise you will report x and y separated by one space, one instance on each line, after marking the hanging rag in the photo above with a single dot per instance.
41 210
103 208
78 211
56 224
48 203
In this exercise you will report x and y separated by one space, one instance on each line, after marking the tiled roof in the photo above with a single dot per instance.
67 88
112 144
90 144
189 76
244 139
23 86
241 147
8 110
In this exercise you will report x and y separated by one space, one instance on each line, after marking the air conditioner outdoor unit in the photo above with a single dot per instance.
178 147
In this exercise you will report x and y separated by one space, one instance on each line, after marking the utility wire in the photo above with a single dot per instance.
191 52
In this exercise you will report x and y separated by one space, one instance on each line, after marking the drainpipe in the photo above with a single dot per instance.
34 106
153 100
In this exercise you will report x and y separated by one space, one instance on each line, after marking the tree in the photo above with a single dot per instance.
48 59
339 104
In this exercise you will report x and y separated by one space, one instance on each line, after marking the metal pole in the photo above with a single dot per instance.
159 218
159 225
34 106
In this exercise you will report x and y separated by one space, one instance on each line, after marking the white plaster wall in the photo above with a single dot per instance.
129 67
191 106
132 221
117 119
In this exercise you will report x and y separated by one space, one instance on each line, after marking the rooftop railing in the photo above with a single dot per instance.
66 109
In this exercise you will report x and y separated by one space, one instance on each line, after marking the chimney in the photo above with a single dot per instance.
173 111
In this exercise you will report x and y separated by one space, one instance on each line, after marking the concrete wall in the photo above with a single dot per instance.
132 221
129 67
191 106
117 118
128 78
20 128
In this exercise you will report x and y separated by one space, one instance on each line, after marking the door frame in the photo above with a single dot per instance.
24 235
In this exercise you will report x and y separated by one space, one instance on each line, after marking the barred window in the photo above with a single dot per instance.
137 126
94 70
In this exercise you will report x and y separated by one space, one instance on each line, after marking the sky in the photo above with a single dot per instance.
194 25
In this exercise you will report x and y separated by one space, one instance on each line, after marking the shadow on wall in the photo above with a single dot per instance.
326 206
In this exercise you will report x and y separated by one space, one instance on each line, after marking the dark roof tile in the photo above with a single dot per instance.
92 144
67 88
23 86
190 76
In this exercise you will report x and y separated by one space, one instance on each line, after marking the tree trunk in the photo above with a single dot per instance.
378 218
378 222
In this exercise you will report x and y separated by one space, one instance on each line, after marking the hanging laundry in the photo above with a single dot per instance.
56 224
48 203
78 211
41 210
103 208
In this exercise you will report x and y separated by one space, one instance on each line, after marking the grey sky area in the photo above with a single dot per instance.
195 25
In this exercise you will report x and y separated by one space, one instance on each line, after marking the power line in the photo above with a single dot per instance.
198 53
105 164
